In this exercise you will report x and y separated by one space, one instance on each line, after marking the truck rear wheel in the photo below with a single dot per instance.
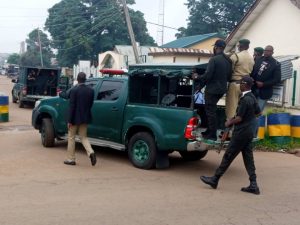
47 133
14 99
193 156
21 103
142 150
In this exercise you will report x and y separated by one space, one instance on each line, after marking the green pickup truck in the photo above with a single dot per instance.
149 112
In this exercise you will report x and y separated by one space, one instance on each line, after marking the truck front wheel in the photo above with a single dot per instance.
142 150
193 156
47 133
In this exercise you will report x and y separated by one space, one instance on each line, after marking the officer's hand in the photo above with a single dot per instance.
228 123
259 84
69 125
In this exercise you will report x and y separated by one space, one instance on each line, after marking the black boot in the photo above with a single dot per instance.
205 132
212 181
252 188
210 136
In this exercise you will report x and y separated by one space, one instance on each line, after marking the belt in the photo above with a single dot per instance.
234 81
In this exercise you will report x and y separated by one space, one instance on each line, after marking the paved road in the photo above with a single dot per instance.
36 188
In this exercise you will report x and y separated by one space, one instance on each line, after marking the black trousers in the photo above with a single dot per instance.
239 143
202 114
211 101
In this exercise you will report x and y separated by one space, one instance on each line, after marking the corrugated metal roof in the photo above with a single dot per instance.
157 51
189 41
286 65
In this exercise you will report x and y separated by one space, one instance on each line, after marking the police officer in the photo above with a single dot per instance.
215 78
241 140
266 73
31 81
258 53
242 65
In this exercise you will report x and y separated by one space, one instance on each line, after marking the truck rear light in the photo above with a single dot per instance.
191 126
24 91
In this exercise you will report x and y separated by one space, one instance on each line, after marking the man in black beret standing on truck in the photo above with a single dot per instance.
215 79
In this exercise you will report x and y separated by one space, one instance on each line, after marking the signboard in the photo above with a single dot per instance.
277 97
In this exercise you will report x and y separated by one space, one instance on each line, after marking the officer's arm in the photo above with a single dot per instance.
241 111
72 105
208 73
233 121
234 59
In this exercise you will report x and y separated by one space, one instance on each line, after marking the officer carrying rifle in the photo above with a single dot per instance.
241 140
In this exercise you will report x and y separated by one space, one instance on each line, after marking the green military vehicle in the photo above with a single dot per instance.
149 113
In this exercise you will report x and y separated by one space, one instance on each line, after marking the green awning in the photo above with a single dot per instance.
165 70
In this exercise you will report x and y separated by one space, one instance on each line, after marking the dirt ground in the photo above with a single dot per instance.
36 188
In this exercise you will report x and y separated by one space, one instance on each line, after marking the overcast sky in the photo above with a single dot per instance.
19 17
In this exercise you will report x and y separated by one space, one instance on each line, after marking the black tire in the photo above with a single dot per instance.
142 150
14 99
193 156
21 103
47 133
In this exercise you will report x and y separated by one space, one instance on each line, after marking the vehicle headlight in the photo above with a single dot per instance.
37 103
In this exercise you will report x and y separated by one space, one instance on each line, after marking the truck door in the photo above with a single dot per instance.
108 110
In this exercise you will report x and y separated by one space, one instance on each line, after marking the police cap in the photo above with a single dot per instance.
244 42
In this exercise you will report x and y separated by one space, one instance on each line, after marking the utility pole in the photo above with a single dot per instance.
161 23
130 30
40 46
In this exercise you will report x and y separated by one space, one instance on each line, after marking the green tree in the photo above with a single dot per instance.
81 29
13 58
32 56
209 16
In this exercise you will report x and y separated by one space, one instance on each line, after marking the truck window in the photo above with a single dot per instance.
143 89
109 90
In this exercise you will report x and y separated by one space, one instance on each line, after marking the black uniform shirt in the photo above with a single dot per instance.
217 74
268 71
247 109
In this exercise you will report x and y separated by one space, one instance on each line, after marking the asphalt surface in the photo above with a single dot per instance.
36 188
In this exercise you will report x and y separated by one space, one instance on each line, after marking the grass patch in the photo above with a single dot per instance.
275 110
268 144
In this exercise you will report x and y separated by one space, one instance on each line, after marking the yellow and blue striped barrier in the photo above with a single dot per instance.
4 110
261 127
279 127
295 126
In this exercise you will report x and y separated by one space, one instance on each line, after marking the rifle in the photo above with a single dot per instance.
224 137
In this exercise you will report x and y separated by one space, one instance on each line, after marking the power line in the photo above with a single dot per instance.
173 28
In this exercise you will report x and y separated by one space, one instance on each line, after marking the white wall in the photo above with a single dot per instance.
279 26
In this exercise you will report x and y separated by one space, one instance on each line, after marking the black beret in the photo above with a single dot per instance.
220 43
259 50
